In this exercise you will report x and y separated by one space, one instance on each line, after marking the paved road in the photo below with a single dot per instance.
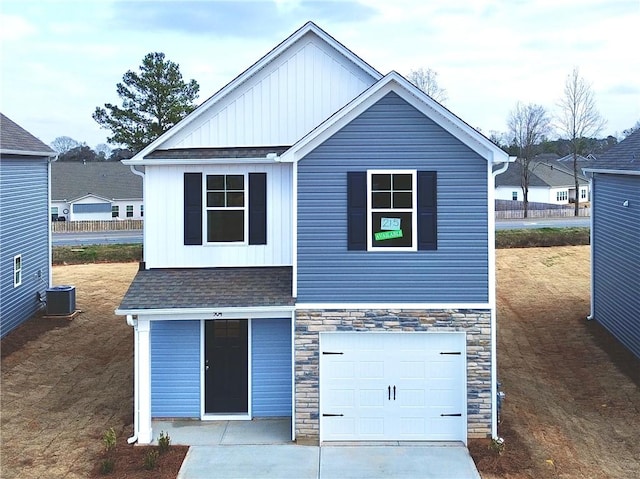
568 222
119 237
102 237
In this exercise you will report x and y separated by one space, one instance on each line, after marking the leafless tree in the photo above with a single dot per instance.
578 119
528 126
427 80
63 144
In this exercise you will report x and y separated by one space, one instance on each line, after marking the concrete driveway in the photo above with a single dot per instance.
289 461
262 449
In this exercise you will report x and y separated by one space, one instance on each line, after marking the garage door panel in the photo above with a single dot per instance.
427 384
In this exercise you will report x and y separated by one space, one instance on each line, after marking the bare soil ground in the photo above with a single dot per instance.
573 394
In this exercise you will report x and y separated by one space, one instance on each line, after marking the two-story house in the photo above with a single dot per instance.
25 239
319 244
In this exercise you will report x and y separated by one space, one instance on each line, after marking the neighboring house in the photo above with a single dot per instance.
615 241
95 190
319 244
25 243
549 182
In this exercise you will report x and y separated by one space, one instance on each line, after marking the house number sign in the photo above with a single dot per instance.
389 224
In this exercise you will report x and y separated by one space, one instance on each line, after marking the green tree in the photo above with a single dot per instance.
152 102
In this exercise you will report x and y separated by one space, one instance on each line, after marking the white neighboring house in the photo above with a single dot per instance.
550 182
95 191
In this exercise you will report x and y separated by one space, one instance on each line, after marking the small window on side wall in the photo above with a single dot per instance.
115 211
129 211
17 270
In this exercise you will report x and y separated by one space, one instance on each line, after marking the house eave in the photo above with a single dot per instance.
199 313
612 171
45 154
206 161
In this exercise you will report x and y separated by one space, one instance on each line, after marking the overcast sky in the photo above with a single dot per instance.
62 59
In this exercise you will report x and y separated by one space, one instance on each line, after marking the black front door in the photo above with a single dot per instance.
226 366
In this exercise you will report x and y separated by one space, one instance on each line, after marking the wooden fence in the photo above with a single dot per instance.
97 225
554 213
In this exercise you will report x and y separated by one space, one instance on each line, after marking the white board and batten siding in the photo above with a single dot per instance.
393 386
280 103
164 222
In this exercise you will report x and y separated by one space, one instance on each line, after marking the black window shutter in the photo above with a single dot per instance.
192 208
257 208
357 210
427 210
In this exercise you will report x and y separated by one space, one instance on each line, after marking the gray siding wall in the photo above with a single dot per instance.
616 256
24 230
389 135
175 369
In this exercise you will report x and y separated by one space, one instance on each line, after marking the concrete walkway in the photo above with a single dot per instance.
262 449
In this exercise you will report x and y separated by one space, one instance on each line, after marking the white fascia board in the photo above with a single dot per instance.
206 161
612 172
394 82
249 72
427 306
208 313
106 200
44 154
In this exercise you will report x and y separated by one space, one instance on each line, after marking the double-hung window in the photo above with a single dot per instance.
115 211
226 211
129 211
391 204
17 270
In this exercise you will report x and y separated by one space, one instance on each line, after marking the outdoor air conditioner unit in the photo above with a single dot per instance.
61 300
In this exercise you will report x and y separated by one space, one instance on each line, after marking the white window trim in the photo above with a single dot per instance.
413 210
244 208
17 272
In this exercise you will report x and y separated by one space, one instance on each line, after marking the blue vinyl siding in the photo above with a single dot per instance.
24 230
271 367
175 369
393 135
616 256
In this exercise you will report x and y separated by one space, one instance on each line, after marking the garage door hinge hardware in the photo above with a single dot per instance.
330 352
332 415
458 353
450 415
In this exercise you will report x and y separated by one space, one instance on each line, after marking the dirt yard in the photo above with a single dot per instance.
573 394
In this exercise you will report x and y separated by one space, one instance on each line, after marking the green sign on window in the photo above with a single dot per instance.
385 235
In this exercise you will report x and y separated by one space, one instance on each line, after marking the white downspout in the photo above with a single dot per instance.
492 295
591 248
134 323
144 223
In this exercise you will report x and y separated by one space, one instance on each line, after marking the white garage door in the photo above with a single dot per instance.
393 386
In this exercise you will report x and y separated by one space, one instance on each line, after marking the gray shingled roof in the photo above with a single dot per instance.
209 288
15 139
71 180
623 156
207 153
546 174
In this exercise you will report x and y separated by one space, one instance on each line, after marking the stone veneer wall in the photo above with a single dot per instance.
309 323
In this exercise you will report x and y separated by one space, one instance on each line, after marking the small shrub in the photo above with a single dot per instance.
497 445
107 465
151 459
164 442
109 439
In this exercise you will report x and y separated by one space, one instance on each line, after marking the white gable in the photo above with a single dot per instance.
281 102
